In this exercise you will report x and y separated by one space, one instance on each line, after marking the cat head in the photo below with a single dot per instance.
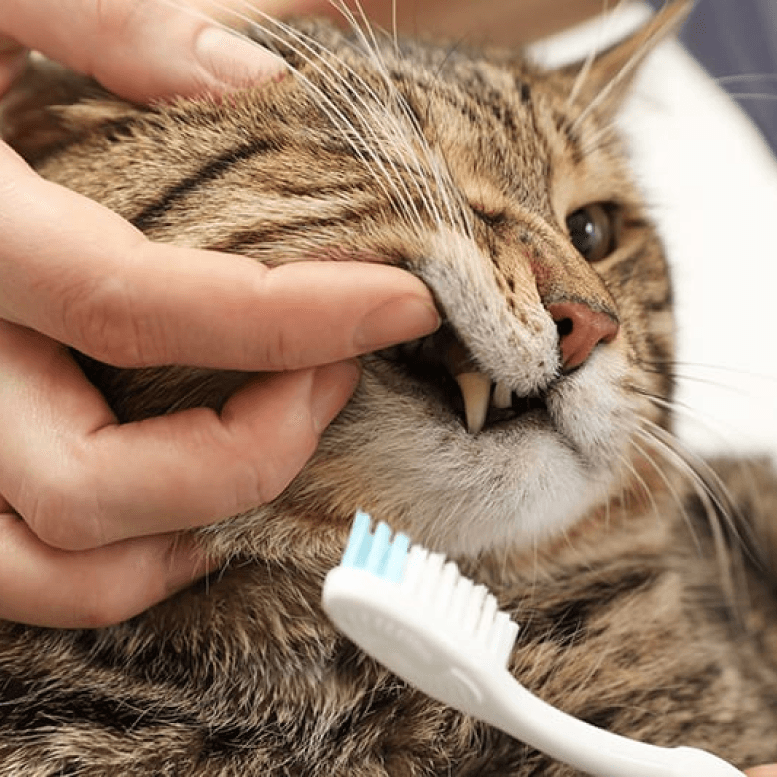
503 186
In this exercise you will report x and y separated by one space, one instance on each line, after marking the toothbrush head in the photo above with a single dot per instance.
416 613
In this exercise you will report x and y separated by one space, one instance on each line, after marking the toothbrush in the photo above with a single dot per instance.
420 617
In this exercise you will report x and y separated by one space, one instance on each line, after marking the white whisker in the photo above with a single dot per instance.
310 51
615 81
676 497
585 69
713 509
371 47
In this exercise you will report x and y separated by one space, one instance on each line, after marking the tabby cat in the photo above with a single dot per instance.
644 585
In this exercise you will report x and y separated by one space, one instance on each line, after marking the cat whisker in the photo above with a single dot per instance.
346 91
370 45
600 139
364 150
332 114
695 466
585 69
624 72
441 175
651 459
674 406
375 115
728 531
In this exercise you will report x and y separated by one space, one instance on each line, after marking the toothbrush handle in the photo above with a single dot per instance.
507 705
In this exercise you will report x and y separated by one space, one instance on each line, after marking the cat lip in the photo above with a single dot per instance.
443 361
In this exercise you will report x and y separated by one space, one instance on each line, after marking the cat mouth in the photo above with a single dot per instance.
442 363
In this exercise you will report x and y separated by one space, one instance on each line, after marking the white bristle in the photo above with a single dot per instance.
446 587
473 608
484 628
414 569
430 578
461 596
503 644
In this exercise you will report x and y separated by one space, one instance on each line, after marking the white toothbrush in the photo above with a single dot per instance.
422 619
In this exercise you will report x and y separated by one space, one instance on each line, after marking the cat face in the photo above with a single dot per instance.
504 188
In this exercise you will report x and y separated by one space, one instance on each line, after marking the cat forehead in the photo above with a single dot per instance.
486 118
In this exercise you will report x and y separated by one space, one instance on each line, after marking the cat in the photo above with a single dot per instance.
644 586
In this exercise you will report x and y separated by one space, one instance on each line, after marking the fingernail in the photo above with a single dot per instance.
235 61
396 321
332 387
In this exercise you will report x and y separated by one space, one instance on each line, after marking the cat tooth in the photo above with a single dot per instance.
502 397
476 391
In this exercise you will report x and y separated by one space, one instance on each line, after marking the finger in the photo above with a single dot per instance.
140 49
44 586
80 480
77 272
763 771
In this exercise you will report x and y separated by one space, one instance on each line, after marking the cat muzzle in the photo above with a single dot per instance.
441 359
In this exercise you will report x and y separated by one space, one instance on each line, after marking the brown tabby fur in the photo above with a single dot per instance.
460 166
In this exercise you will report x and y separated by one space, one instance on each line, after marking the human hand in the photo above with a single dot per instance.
763 771
89 508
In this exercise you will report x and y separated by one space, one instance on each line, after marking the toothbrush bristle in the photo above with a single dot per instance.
433 585
466 610
376 553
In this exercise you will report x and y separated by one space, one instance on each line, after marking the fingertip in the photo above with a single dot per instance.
184 52
333 385
235 62
396 320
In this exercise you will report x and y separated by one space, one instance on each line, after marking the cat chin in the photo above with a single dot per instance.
401 457
550 503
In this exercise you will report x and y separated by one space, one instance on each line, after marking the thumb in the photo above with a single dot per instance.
140 49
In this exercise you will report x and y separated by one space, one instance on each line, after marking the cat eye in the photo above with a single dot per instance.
592 230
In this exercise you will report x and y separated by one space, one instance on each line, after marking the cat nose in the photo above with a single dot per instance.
580 330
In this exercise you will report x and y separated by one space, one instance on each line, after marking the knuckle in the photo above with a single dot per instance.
102 323
114 18
273 351
62 514
284 351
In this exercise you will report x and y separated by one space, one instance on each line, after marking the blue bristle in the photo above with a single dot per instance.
375 553
357 548
379 549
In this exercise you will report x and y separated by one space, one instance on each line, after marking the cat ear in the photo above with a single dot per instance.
605 80
48 105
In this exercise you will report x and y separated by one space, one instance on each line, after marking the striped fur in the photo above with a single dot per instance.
462 167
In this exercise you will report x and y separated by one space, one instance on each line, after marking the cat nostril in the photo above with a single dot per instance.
564 327
580 330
